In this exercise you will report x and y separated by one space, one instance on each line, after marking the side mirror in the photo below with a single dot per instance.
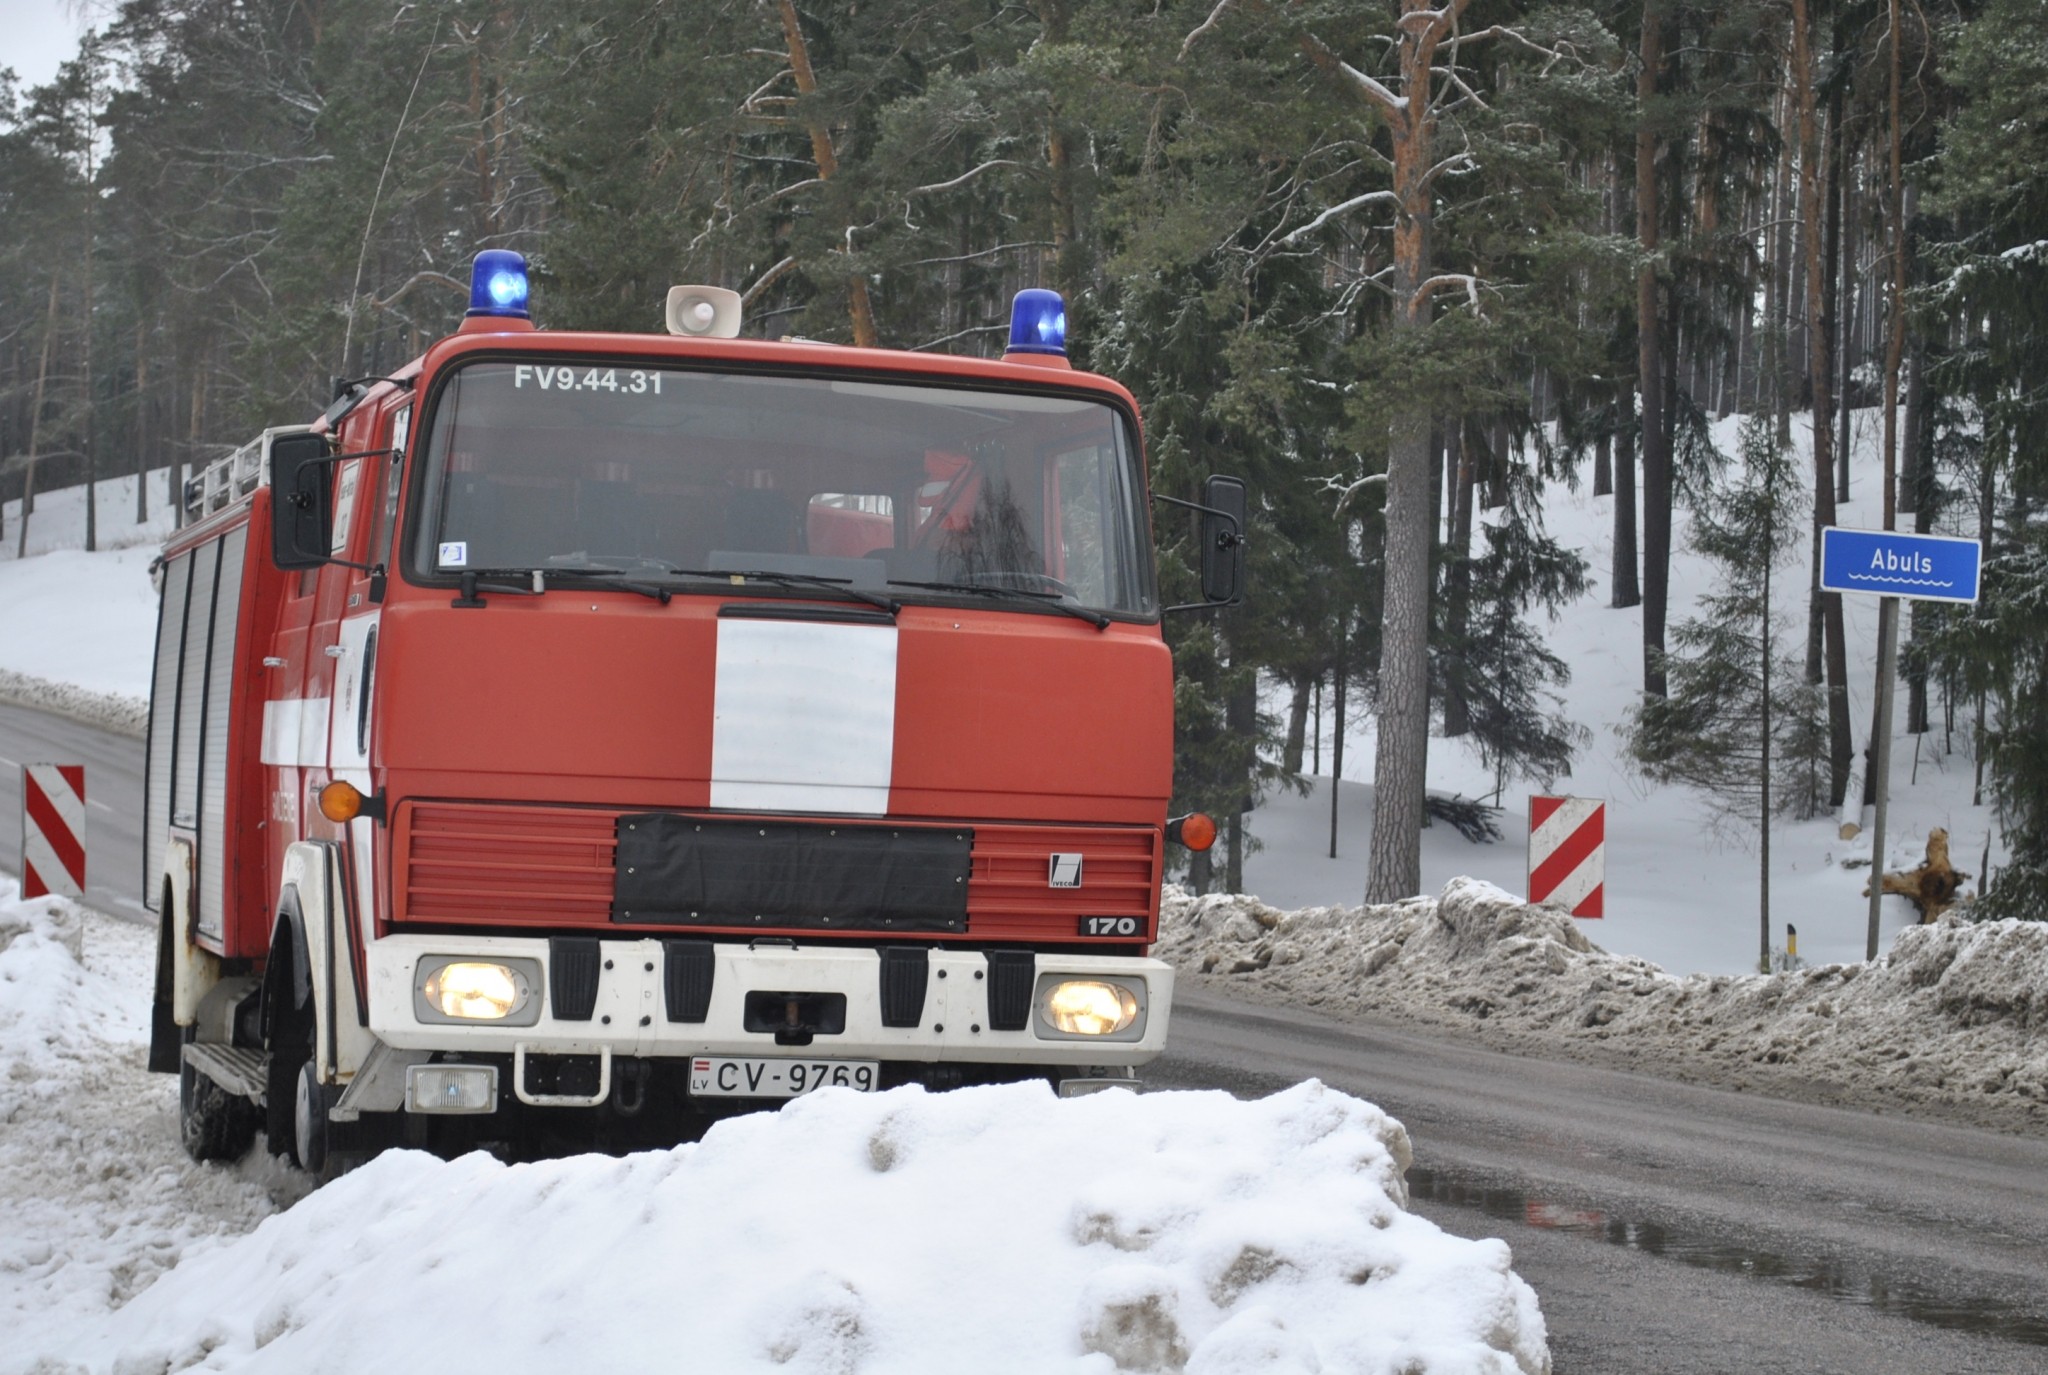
1223 530
301 501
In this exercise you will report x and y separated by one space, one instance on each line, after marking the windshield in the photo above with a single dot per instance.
555 466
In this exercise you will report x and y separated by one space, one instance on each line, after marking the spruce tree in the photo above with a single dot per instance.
1993 288
1739 724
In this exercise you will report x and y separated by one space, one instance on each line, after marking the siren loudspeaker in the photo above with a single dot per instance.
704 312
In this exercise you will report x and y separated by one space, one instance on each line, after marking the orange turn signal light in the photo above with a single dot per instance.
341 802
1196 830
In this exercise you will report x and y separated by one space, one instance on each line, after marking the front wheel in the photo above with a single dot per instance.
309 1120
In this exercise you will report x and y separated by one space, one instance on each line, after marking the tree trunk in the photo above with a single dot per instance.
1297 728
1458 591
1241 714
141 423
1839 300
1394 866
859 308
1649 365
87 312
1763 779
1835 649
1917 480
1895 342
92 505
1316 742
35 425
197 421
1337 742
1603 466
1053 17
1627 592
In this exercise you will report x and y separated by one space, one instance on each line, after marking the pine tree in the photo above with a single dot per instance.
1500 665
1739 723
1994 290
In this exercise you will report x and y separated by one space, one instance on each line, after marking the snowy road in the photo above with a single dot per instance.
1676 1228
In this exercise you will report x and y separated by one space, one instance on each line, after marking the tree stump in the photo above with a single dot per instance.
1933 885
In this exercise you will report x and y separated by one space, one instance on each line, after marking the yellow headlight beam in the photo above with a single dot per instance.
1087 1007
473 991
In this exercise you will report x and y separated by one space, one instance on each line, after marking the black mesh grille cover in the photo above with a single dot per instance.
1010 976
699 871
904 972
686 974
572 977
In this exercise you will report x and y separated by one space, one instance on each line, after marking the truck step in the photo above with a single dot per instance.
237 1069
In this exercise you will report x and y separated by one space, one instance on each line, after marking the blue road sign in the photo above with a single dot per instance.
1888 563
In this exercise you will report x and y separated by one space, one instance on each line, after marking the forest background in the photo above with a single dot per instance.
1398 264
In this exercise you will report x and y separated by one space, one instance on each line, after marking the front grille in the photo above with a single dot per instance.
1009 898
511 865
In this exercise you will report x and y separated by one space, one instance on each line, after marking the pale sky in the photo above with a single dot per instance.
36 35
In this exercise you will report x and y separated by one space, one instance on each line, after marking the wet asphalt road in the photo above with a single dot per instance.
1671 1228
1665 1227
113 801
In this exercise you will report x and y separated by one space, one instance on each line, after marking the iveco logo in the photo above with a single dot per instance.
1064 872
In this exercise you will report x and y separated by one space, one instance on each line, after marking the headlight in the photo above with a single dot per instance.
1085 1007
449 988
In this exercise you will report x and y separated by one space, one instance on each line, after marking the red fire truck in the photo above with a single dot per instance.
573 738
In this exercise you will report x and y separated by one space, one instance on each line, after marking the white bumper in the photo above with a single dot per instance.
954 1025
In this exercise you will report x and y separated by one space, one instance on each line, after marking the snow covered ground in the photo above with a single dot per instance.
1678 893
77 630
993 1229
1951 1021
97 1197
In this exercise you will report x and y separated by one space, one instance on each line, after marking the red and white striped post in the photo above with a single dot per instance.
1568 854
52 830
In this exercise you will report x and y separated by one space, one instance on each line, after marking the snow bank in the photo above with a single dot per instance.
1954 1017
77 632
97 1195
990 1229
112 711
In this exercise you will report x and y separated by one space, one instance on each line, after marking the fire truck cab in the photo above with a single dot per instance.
572 738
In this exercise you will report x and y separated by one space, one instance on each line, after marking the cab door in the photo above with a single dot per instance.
371 502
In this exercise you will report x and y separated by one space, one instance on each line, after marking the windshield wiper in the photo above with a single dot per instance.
532 582
472 581
979 589
611 577
842 586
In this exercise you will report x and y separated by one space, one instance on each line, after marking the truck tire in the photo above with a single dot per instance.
309 1120
213 1124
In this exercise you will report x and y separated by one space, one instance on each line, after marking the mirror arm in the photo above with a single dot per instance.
302 500
1229 539
343 458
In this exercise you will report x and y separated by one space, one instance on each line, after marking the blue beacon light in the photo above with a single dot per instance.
497 284
1038 322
